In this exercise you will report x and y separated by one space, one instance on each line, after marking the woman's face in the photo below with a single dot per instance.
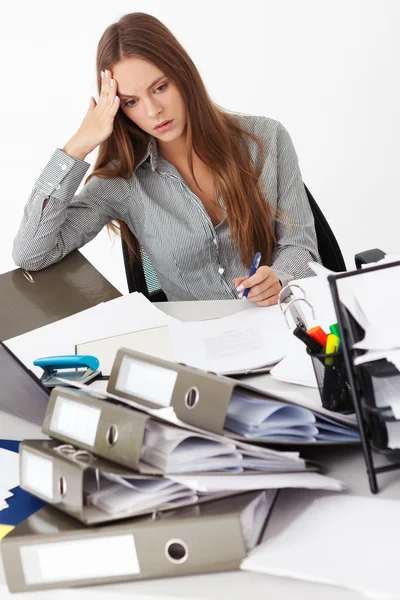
148 97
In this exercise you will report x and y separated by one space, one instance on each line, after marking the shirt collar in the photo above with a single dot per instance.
152 152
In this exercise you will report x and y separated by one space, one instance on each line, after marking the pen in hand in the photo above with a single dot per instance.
254 266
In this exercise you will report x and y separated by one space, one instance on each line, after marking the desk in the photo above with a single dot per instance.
346 464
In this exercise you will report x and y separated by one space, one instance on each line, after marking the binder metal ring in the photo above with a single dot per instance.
69 450
65 449
297 318
176 551
28 276
288 287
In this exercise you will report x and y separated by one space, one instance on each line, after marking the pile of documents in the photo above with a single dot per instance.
224 405
134 491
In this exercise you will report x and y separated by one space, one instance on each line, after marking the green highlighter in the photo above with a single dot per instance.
335 330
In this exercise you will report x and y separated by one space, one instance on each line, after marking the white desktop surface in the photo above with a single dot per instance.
346 464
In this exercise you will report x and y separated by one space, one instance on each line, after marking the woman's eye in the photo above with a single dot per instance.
161 88
130 103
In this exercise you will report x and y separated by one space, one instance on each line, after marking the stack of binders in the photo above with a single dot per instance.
136 489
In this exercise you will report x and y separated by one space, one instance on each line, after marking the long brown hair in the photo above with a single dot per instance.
212 134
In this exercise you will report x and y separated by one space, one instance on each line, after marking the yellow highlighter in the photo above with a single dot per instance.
332 346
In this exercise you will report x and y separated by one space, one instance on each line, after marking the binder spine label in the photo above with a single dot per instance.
149 382
37 474
77 560
77 421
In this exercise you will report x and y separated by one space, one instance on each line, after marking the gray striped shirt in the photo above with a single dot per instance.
193 259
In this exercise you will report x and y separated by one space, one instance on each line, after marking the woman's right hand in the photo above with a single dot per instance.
98 122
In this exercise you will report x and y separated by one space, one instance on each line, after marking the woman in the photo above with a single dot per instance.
201 190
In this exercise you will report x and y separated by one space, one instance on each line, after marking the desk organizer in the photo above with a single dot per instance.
331 376
372 416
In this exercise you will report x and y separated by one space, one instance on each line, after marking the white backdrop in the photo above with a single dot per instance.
329 71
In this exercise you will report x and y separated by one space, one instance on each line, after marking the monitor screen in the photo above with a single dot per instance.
21 392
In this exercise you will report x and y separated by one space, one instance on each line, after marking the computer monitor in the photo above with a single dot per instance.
21 392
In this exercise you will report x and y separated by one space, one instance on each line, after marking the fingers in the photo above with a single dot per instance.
259 276
266 293
238 281
108 92
268 301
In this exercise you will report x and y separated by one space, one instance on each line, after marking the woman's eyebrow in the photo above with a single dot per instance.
149 87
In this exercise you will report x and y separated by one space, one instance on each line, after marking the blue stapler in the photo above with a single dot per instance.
83 368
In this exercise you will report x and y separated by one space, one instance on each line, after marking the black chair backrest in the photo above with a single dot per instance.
141 276
328 248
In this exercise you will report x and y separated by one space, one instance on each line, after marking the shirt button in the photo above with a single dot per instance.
63 167
58 187
215 241
221 270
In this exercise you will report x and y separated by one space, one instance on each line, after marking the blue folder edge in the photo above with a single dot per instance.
22 504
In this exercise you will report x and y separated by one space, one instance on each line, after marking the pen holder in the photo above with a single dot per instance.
330 372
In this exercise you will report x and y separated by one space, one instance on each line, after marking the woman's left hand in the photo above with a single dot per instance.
264 286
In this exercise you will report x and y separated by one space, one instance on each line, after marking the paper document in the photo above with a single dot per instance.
254 338
363 296
175 450
216 483
155 341
338 540
296 367
9 476
121 497
257 417
115 317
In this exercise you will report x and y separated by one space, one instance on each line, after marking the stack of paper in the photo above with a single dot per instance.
271 420
252 339
9 476
176 450
122 315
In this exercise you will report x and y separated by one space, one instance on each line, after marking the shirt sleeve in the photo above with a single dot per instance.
69 220
295 228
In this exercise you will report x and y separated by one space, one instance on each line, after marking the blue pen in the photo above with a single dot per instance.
254 266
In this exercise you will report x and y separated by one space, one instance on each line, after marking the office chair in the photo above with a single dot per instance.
141 276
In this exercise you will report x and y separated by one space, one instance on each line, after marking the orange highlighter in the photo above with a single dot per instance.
318 334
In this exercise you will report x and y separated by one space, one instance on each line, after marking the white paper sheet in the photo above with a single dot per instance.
253 338
121 315
9 469
216 483
296 367
340 540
